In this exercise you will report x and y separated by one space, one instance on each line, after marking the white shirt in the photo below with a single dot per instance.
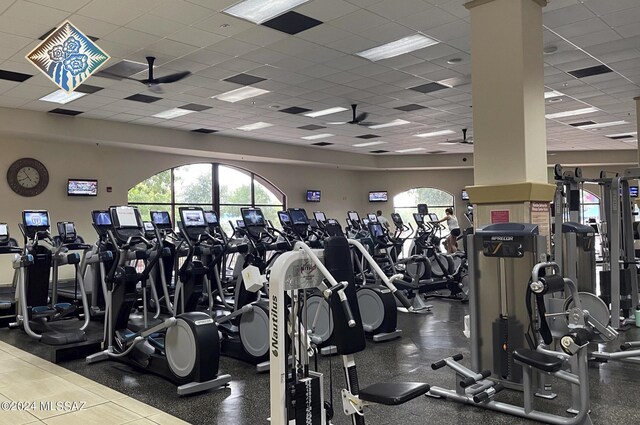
383 221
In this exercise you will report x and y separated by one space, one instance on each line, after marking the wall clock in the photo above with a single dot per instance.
28 177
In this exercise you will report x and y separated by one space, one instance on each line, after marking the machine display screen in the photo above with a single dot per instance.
433 217
148 226
372 217
160 217
298 216
36 218
211 217
633 191
418 218
127 217
376 229
380 196
397 219
313 196
240 224
193 218
253 217
82 187
69 228
101 218
284 217
319 216
353 216
4 229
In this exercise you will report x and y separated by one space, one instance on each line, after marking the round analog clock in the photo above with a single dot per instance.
28 177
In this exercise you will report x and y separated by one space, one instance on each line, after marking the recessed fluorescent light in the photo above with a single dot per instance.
329 111
62 97
173 113
435 133
259 11
411 150
630 133
602 125
552 93
398 47
362 145
630 141
390 124
240 94
447 143
254 126
572 113
318 136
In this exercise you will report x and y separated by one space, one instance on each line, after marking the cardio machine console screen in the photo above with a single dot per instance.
240 224
148 226
160 217
353 216
284 218
319 216
372 217
211 217
4 229
418 218
298 216
69 228
127 217
36 218
433 217
376 229
396 219
101 218
253 217
193 218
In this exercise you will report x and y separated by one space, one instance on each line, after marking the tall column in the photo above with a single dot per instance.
637 99
510 148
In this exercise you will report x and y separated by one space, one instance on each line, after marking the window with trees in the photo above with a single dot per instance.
223 188
437 200
589 206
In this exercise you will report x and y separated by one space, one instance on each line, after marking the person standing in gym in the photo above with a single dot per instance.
454 230
382 220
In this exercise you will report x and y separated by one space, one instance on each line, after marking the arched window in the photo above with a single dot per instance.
589 206
437 200
223 188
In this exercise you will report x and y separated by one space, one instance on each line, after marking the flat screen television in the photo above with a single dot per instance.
378 196
633 191
77 187
313 196
465 195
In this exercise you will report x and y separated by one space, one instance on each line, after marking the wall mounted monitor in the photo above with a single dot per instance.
633 191
313 196
77 187
378 196
464 195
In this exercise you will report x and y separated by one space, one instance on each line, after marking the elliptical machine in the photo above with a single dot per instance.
183 349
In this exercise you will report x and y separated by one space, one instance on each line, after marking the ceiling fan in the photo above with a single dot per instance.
154 83
357 119
464 140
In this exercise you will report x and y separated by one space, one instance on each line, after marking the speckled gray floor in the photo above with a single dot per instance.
427 338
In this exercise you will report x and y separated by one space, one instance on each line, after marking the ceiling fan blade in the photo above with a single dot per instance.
367 123
156 89
172 78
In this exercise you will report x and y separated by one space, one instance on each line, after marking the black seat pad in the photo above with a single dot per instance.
541 361
393 393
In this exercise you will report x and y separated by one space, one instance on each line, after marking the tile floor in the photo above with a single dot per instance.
27 378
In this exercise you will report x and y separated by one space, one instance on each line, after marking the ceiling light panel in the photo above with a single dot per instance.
318 136
62 97
436 133
254 126
411 150
552 93
393 123
602 125
630 133
324 112
173 113
363 145
398 47
572 113
242 93
259 11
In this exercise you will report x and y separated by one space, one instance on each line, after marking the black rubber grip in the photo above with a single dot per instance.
347 312
457 357
403 299
485 374
478 398
625 346
467 382
439 364
498 387
554 283
73 258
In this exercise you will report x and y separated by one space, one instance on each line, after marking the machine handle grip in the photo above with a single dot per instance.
347 312
403 300
467 382
478 398
442 363
457 357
